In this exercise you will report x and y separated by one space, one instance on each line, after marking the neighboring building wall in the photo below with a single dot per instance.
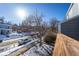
59 27
5 29
71 25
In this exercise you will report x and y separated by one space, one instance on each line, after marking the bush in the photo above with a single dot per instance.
50 38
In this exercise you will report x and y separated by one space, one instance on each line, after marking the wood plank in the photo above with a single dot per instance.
65 46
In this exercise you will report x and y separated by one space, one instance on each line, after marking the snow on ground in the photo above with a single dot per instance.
16 48
2 37
12 35
15 35
31 52
44 50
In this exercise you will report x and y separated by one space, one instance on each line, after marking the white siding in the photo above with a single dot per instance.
74 11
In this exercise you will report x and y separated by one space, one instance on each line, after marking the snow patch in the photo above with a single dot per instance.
44 50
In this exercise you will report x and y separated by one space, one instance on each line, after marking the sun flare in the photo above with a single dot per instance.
22 13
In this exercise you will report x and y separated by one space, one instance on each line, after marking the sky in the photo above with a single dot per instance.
16 12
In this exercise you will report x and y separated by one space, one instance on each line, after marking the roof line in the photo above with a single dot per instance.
69 9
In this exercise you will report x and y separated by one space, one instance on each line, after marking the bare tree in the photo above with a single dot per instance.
14 27
35 23
44 27
51 34
54 24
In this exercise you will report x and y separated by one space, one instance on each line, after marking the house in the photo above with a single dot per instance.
5 28
70 25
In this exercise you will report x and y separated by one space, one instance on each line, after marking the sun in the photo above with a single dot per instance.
22 13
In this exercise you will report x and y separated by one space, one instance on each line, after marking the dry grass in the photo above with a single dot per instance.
65 46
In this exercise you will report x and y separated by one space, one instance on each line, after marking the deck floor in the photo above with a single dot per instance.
65 46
